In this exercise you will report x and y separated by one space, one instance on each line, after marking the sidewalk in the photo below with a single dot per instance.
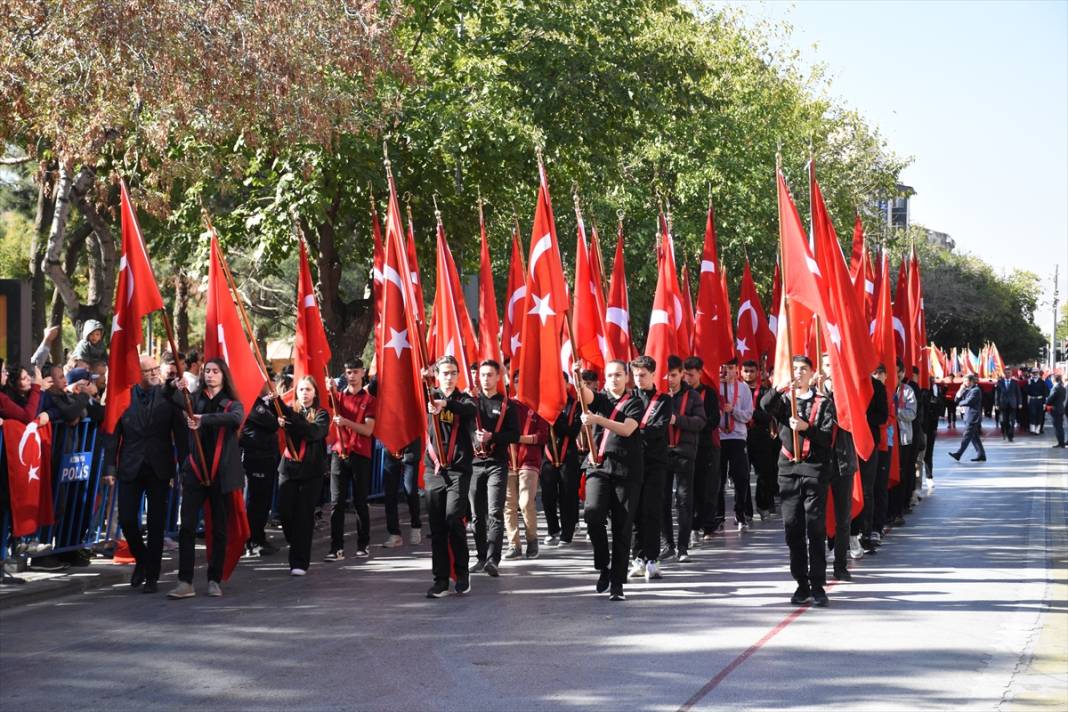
101 573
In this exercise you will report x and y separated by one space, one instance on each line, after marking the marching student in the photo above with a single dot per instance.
560 476
803 477
843 466
685 422
736 405
402 470
762 443
706 474
448 477
301 473
496 428
217 416
652 513
259 456
613 473
350 460
523 470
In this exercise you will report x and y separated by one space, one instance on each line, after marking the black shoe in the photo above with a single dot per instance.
668 552
479 566
955 456
1057 445
617 594
267 549
78 558
843 574
819 597
532 550
981 458
463 585
869 547
440 589
50 563
150 587
898 522
491 569
138 576
801 596
603 580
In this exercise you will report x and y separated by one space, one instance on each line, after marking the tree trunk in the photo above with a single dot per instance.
181 311
41 224
102 262
70 264
57 236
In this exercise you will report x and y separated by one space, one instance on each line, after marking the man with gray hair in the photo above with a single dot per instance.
971 400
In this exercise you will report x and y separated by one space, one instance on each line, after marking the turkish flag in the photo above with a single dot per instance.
845 329
712 339
683 329
400 383
541 378
902 319
379 257
801 279
882 331
662 338
136 296
918 321
446 337
415 284
311 351
224 334
489 324
689 320
29 474
860 253
617 311
590 344
773 310
752 338
515 303
727 309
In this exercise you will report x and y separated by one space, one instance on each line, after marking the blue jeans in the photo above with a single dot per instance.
395 473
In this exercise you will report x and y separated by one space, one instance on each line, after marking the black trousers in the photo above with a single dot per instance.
880 495
1007 422
194 496
354 471
972 437
734 464
396 473
260 479
1058 425
804 500
649 515
868 472
559 496
706 487
679 473
1036 411
928 453
447 495
489 485
155 490
766 466
297 499
841 487
616 497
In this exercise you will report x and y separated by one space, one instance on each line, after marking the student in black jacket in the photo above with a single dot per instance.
217 416
803 477
762 443
613 474
140 454
654 496
301 473
448 477
560 476
707 518
877 414
259 456
686 421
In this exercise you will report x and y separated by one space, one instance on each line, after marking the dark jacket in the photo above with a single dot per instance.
259 438
878 408
488 413
845 450
1007 394
971 399
564 434
218 433
150 433
690 422
63 406
459 413
621 457
762 440
707 438
309 438
1037 389
652 424
816 442
1056 399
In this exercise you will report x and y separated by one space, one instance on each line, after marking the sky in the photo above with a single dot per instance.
977 94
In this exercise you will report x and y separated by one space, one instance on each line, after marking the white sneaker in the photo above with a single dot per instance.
652 571
830 556
740 526
915 499
856 551
297 572
182 590
394 540
552 541
930 486
415 538
214 589
637 568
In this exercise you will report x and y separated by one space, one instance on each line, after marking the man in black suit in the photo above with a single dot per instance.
1056 406
141 454
1008 398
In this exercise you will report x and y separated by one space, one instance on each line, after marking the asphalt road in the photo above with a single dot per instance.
962 608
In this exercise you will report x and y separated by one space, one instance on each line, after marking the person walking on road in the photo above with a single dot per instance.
971 400
1055 405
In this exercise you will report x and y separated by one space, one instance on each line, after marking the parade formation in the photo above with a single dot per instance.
831 401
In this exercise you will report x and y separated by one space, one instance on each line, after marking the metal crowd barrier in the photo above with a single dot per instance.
86 508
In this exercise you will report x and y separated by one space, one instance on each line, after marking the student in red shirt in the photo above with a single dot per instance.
350 459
